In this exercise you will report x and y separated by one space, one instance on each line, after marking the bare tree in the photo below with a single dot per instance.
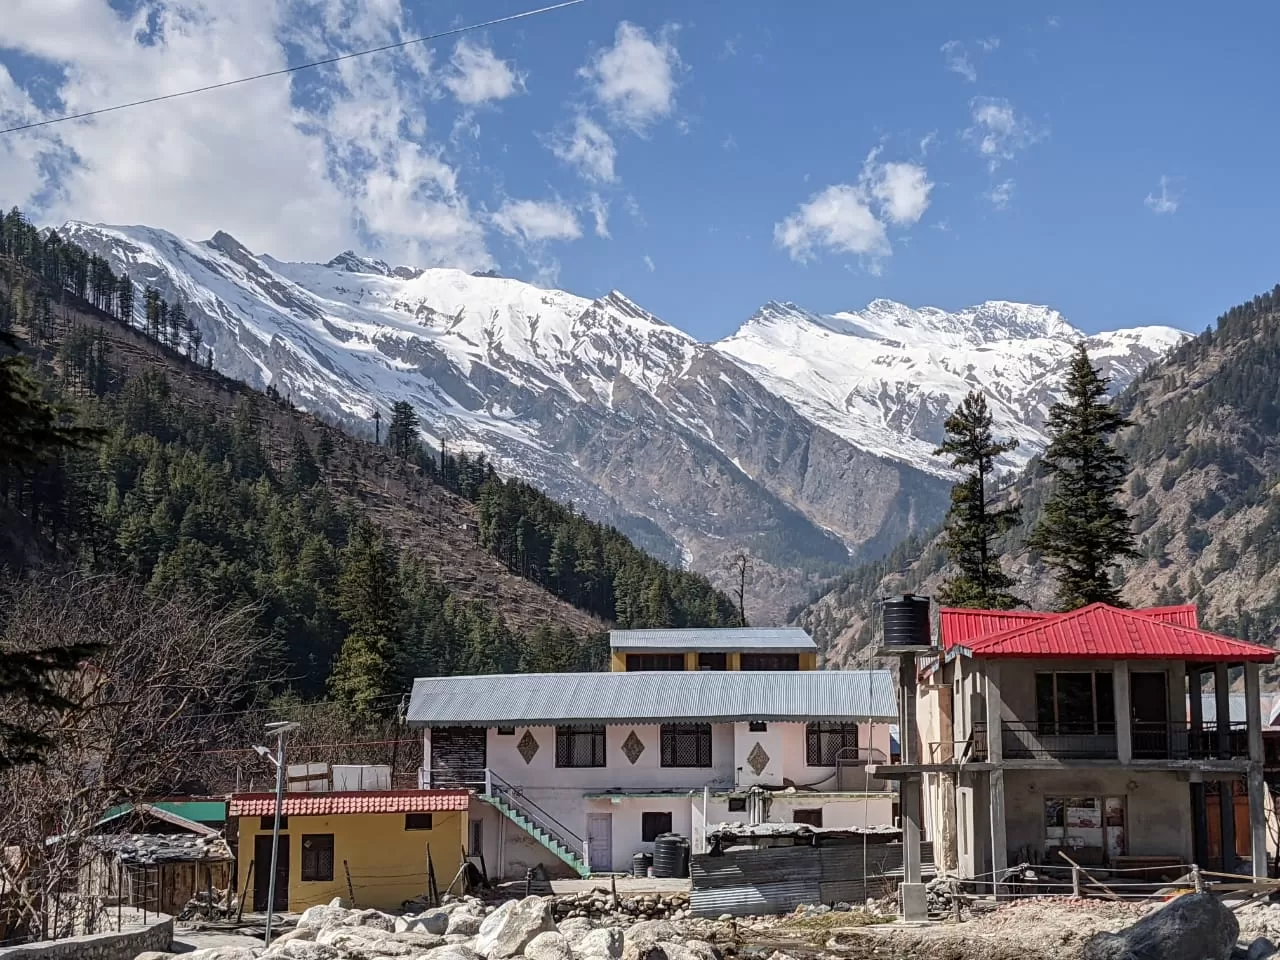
144 716
740 566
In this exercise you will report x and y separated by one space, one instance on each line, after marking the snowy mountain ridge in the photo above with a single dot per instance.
806 438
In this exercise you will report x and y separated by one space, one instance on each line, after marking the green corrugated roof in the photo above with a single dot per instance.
204 811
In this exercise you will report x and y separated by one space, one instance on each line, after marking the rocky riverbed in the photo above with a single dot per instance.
596 927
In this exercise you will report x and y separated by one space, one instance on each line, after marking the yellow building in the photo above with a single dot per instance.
716 648
368 846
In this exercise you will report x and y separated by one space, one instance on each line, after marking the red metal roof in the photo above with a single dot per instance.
1184 616
355 801
960 625
1103 632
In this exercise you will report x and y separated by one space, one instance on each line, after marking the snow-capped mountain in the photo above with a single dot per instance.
802 437
886 377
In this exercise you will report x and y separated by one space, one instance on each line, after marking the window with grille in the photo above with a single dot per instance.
686 744
642 662
769 661
758 726
825 741
654 825
580 746
317 856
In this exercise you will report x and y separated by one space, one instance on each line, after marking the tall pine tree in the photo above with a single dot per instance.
1083 531
974 520
402 432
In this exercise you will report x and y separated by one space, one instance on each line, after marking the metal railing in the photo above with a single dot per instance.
435 778
1059 741
1172 740
1175 740
513 796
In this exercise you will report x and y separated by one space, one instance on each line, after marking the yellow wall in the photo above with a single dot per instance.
388 863
618 661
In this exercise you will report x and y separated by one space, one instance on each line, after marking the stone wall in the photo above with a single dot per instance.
98 946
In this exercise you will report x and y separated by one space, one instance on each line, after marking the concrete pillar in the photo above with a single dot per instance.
999 843
1200 822
1222 703
910 800
995 708
1257 821
1124 713
945 847
1195 740
909 730
1253 711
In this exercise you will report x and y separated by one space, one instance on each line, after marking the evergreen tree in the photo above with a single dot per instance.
974 521
1083 531
302 465
402 432
324 449
370 603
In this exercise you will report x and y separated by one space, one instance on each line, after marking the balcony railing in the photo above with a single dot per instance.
1173 740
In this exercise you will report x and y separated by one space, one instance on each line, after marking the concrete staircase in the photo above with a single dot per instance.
565 845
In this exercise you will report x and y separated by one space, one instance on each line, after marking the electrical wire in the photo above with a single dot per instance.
302 66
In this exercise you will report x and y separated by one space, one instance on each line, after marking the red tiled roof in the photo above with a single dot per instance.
1186 615
960 625
1104 632
355 801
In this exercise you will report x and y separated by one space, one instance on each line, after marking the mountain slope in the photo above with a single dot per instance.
1204 491
695 451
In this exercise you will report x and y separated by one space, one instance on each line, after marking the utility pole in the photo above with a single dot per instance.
278 730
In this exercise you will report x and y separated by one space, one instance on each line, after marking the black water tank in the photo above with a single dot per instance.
906 621
640 864
670 856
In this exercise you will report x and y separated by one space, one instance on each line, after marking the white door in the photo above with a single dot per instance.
600 842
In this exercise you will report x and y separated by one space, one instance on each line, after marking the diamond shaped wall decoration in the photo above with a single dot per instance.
632 747
757 759
527 746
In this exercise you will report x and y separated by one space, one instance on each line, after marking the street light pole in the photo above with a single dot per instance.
279 729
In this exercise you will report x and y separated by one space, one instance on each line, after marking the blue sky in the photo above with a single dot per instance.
1116 161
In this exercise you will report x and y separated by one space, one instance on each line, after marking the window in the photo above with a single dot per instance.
580 746
269 823
825 742
713 661
1075 703
317 856
769 661
506 731
758 726
812 817
686 744
737 804
653 825
417 821
641 662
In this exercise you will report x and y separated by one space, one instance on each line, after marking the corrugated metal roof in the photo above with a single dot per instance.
758 639
355 801
1237 709
531 699
1185 615
960 625
1107 632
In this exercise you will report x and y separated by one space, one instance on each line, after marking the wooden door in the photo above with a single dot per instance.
1149 710
262 872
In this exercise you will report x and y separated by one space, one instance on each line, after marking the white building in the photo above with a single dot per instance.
580 772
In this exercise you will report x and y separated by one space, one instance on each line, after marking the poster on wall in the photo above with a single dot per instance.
1082 813
1115 811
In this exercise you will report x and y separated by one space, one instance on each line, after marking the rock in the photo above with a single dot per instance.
297 933
702 950
322 915
433 922
1195 926
304 950
549 945
451 951
643 949
575 928
603 944
367 942
225 953
154 955
463 923
1260 949
507 931
374 919
653 930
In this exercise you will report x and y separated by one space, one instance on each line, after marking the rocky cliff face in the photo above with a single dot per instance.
804 439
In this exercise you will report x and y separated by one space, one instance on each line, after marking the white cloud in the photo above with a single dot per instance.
731 45
648 262
928 142
854 218
478 76
1052 22
997 131
635 79
1001 195
1166 202
901 188
729 143
300 167
599 208
989 43
590 149
536 221
957 60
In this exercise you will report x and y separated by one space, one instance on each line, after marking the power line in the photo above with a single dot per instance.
302 66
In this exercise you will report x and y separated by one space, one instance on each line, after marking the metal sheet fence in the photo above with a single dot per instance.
767 880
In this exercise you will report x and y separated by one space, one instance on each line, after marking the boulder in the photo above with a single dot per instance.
701 950
225 953
323 915
549 945
653 930
154 955
464 923
1260 949
374 919
433 923
507 931
1195 926
451 951
303 950
575 928
643 949
605 944
363 942
297 933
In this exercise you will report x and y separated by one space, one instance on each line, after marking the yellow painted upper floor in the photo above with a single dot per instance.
719 648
